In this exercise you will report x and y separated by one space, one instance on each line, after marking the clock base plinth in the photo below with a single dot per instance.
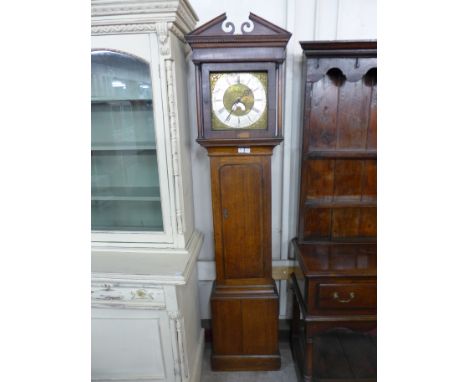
245 362
245 328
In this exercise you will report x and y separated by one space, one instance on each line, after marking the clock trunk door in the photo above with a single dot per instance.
242 210
242 233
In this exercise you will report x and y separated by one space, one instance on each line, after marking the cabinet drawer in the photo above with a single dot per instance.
347 296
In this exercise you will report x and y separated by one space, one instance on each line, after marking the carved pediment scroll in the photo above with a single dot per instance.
220 30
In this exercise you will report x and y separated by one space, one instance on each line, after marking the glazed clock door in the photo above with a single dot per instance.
128 181
239 100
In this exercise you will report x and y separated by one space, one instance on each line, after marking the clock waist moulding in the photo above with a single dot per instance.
239 87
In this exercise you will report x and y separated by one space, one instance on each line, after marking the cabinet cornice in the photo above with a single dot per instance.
124 16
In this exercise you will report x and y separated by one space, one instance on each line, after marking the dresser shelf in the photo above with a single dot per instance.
342 154
340 202
117 100
128 198
102 150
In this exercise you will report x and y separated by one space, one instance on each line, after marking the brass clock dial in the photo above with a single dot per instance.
239 100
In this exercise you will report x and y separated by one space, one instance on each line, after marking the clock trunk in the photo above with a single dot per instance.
244 300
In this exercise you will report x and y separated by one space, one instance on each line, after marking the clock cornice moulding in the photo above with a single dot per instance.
125 16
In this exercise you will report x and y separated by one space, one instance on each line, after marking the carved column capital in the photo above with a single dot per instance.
162 31
174 315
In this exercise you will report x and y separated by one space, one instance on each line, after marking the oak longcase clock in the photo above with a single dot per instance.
239 87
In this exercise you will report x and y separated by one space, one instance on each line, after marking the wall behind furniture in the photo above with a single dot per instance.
306 20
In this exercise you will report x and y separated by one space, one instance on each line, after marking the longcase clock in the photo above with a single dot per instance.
239 87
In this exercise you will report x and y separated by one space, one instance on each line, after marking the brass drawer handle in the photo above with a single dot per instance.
336 296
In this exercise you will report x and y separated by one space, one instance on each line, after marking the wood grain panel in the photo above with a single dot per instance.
371 80
317 223
345 222
348 178
227 326
242 232
353 115
354 222
260 326
307 114
322 119
368 222
369 186
339 223
352 178
319 177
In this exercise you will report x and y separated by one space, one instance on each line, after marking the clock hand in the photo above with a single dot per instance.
236 102
232 108
228 117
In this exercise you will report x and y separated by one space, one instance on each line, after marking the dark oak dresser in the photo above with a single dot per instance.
335 280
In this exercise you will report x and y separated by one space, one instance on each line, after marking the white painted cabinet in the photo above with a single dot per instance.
145 314
146 321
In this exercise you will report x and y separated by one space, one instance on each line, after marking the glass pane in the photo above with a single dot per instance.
126 215
124 169
122 123
118 76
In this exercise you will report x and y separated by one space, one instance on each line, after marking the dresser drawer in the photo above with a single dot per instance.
347 296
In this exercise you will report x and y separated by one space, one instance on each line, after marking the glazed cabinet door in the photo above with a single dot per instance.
128 160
